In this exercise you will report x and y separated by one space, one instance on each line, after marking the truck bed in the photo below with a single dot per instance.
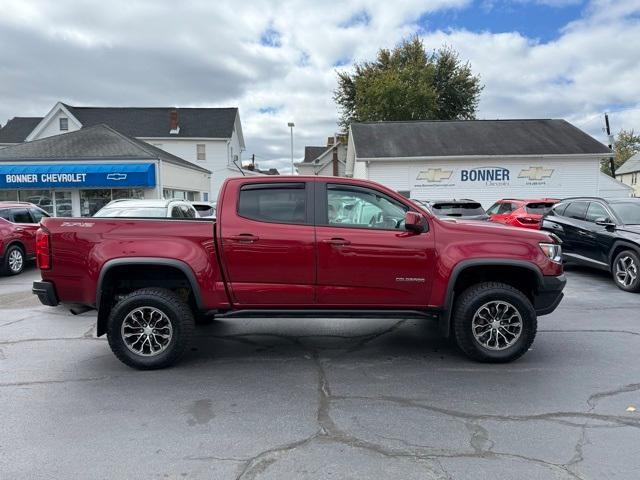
83 246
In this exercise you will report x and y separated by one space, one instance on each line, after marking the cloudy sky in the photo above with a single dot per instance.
276 60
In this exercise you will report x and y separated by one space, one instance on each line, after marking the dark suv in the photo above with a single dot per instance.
18 224
600 233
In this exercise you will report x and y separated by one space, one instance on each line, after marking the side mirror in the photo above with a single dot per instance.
605 222
414 222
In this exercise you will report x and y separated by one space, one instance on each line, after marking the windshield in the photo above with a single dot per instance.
539 207
140 212
629 212
469 209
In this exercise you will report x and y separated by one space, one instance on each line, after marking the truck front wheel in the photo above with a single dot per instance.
150 328
494 322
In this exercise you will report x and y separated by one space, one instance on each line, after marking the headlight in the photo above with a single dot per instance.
553 251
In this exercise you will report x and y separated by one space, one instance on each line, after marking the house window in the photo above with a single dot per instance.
634 178
201 152
64 124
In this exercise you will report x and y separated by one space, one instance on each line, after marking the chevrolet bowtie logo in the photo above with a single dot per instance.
116 176
535 173
434 175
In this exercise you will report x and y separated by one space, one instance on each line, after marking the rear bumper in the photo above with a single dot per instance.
46 293
549 294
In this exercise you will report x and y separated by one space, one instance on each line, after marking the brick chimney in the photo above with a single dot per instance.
173 121
335 162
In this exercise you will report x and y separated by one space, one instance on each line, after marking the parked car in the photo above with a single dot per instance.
462 208
148 209
600 233
19 222
205 209
303 247
521 213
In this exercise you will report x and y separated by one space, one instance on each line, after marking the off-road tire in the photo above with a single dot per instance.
169 303
634 286
471 300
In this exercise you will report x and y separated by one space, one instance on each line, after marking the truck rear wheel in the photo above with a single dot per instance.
494 322
150 328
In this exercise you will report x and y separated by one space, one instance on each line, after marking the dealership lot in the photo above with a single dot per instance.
352 398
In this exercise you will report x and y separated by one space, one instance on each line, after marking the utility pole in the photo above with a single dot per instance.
610 138
291 125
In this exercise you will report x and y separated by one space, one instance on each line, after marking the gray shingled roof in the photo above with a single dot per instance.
631 165
312 152
155 122
97 143
17 129
471 137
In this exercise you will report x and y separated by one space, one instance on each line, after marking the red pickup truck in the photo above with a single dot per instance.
299 247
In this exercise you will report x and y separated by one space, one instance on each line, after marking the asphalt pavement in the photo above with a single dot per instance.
325 398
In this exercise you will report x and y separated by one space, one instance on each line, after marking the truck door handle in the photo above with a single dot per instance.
245 238
337 242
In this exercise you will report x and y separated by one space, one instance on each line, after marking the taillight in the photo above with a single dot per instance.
43 249
528 220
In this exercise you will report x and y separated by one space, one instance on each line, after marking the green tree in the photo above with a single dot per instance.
626 145
408 83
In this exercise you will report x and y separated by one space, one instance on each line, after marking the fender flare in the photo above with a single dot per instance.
444 321
131 261
629 245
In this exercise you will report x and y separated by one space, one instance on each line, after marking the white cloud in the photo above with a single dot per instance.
203 53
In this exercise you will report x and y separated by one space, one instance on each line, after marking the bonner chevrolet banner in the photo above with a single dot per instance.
466 177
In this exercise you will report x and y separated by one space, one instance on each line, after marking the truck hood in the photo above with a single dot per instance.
470 226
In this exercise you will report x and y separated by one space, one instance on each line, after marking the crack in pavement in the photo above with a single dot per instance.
49 382
328 432
629 332
51 339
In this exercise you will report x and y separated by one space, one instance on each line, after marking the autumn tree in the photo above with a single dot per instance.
626 145
408 83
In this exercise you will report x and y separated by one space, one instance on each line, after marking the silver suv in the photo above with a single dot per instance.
148 209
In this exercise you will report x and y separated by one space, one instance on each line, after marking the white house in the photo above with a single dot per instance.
629 174
328 161
208 137
481 159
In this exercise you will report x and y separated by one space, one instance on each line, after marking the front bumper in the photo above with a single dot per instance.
549 294
46 293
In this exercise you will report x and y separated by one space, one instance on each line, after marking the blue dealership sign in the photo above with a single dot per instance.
108 175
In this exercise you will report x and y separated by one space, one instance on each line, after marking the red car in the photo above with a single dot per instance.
300 247
521 213
19 222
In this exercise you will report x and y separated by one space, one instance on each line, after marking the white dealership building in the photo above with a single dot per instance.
484 160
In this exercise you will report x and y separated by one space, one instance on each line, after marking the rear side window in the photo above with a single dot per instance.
21 215
37 214
176 212
540 208
187 212
502 208
274 203
576 210
559 209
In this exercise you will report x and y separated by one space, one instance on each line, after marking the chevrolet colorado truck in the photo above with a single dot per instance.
299 247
